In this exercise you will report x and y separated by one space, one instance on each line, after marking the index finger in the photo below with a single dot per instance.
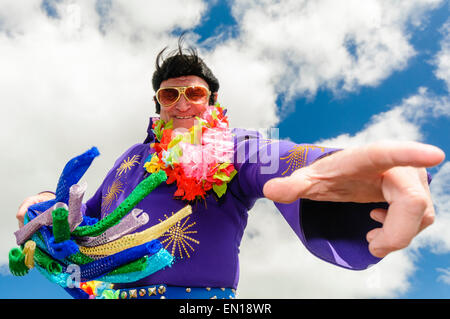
382 156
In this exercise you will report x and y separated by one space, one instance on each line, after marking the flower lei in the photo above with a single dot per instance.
198 160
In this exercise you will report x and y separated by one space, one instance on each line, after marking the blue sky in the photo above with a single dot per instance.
351 112
322 114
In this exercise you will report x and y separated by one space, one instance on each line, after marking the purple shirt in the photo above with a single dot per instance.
206 243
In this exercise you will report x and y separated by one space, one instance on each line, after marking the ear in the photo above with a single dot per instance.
157 106
215 94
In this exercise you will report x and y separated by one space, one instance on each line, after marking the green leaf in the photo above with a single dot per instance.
169 124
220 190
157 130
175 141
177 151
223 166
222 176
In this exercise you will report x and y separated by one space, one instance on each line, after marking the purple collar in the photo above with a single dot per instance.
150 135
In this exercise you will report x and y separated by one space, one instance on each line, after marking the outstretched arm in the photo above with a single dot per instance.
392 172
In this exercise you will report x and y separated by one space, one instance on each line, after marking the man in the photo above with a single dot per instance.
334 200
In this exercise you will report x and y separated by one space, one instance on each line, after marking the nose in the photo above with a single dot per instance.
182 105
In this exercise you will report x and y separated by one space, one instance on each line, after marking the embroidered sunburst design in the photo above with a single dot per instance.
112 194
297 157
127 165
179 239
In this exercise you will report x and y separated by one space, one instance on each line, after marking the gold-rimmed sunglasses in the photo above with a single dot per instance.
196 94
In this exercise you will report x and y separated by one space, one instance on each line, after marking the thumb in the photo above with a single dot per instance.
287 189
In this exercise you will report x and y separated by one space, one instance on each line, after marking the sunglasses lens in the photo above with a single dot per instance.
197 94
167 96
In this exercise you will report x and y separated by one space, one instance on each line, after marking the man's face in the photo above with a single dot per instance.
183 112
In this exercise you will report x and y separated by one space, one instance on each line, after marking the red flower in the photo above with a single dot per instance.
229 169
166 138
207 185
158 148
179 192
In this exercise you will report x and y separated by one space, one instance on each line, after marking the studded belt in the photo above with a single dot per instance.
175 292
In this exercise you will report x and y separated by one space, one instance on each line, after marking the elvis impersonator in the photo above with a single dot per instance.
180 236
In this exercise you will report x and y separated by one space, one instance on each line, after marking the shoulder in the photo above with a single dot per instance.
138 148
257 139
135 152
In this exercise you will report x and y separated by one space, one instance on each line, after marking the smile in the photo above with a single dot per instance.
184 117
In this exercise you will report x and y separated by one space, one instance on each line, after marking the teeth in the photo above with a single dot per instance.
183 117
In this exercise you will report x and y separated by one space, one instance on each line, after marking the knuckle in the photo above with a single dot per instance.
423 174
20 215
398 243
418 200
428 219
372 152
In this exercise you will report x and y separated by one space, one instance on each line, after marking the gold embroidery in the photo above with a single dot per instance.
127 164
177 237
136 239
297 157
111 194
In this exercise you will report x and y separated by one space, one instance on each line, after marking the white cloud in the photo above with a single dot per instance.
442 60
293 48
424 106
274 264
445 277
402 122
436 236
4 270
390 125
335 45
247 89
140 19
